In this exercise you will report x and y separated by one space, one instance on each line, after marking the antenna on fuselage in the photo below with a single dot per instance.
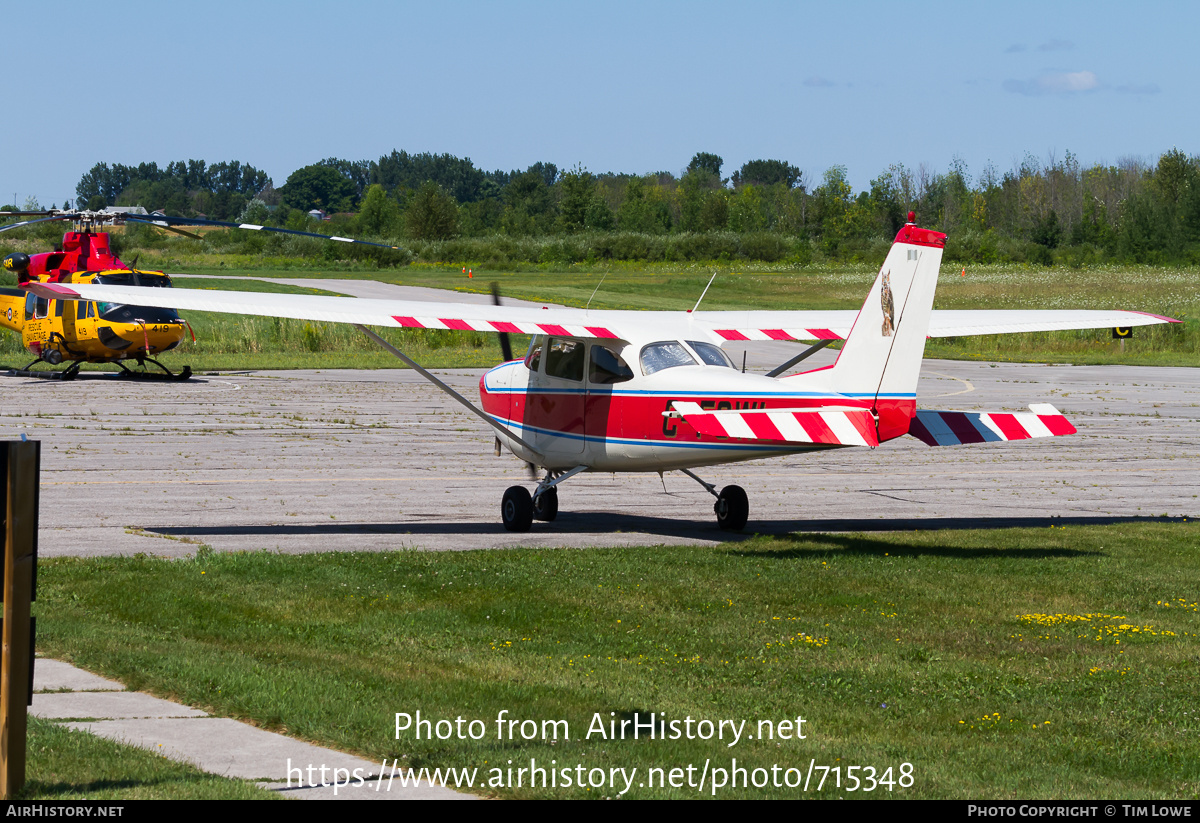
710 282
598 285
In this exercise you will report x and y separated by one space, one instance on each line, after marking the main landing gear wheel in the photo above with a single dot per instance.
517 509
732 508
545 507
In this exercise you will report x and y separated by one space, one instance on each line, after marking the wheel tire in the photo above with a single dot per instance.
516 510
732 509
545 507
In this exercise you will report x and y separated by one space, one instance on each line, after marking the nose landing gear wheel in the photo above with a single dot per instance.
517 509
732 508
546 506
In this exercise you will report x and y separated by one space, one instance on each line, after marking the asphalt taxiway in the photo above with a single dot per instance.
304 461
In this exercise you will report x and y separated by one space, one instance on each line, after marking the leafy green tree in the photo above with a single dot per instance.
379 215
431 214
578 188
318 187
644 209
527 204
704 161
1047 231
767 173
714 211
697 188
747 210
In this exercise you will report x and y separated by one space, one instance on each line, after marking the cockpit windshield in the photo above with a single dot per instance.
664 355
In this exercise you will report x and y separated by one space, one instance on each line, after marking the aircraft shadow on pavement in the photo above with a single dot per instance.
609 523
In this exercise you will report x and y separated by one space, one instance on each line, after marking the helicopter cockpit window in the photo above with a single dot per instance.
564 358
121 313
607 367
58 307
534 356
36 309
710 354
665 355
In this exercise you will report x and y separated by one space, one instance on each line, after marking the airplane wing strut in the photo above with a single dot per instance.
414 365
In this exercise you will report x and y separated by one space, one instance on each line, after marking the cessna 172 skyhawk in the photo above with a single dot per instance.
628 391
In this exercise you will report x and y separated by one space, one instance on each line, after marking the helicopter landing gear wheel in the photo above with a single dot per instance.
732 508
545 507
516 510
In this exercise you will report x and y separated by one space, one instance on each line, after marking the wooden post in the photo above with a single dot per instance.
21 464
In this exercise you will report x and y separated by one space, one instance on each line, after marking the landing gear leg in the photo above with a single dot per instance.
520 508
732 507
186 374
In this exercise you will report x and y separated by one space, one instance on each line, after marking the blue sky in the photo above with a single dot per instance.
614 86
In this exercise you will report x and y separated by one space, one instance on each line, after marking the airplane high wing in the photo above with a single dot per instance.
582 323
617 391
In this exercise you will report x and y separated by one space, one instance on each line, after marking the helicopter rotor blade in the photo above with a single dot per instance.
24 223
165 221
165 227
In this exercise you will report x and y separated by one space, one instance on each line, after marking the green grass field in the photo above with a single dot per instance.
1026 663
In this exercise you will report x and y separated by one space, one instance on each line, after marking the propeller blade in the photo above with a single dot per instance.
505 343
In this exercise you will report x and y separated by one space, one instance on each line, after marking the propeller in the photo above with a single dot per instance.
505 344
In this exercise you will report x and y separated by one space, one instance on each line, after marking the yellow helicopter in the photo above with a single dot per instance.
57 331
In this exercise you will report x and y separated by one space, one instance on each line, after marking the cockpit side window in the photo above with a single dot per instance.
607 367
710 354
564 358
664 355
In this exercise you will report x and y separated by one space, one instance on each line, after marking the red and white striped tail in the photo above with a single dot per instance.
832 427
950 428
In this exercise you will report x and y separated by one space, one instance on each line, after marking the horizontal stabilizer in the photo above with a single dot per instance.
953 428
828 426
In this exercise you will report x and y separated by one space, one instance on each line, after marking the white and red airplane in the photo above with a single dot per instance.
630 391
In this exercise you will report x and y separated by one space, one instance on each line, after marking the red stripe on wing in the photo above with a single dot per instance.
1010 426
600 331
1057 424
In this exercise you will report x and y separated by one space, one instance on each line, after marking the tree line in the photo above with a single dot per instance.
1041 211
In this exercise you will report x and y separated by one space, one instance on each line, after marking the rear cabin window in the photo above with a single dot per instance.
665 355
606 367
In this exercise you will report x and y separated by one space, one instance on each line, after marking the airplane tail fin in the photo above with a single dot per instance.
881 358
